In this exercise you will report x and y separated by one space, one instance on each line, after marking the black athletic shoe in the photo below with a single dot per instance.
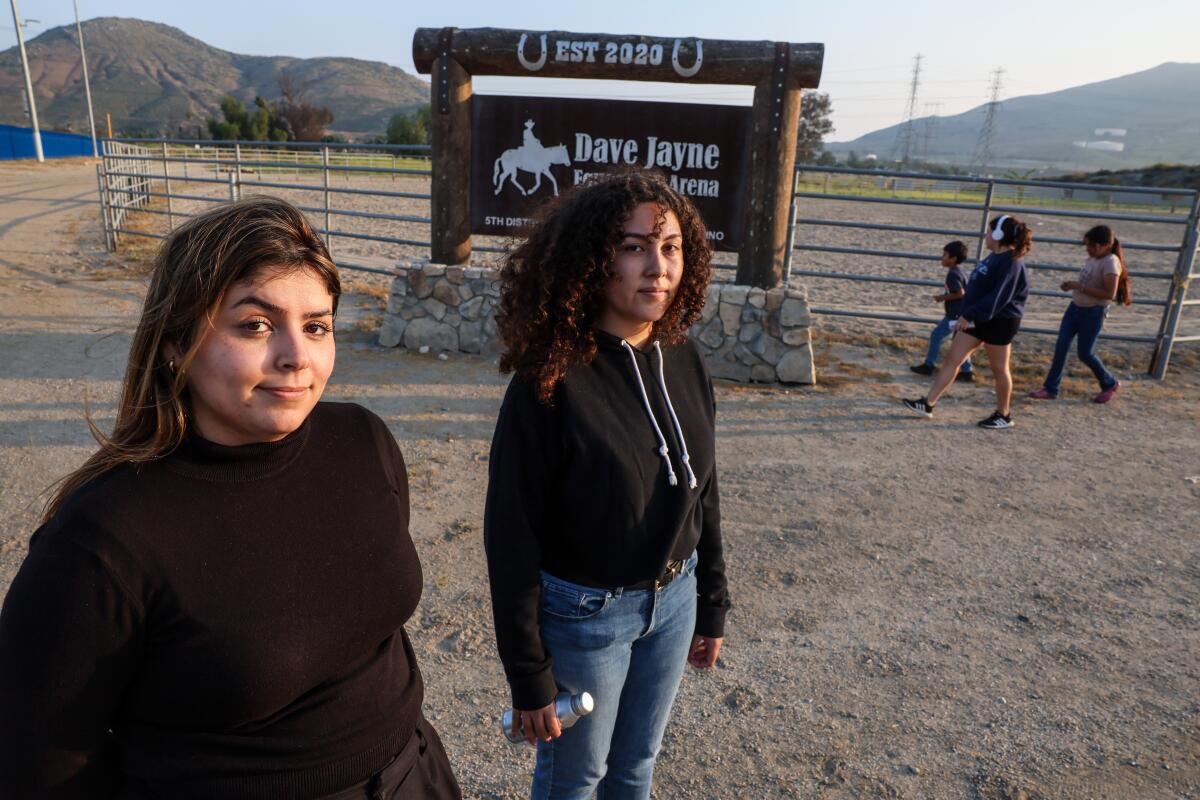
996 421
919 406
965 377
922 369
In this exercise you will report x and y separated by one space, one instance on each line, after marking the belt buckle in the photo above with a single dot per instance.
673 570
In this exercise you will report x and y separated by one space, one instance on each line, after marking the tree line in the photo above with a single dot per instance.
291 118
294 118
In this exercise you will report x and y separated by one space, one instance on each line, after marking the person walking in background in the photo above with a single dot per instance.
1104 277
990 316
953 255
214 605
602 523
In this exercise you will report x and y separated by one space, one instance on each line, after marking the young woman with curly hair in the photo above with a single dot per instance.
602 525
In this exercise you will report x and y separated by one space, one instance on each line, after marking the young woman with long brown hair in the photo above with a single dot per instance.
1104 278
602 524
990 317
214 604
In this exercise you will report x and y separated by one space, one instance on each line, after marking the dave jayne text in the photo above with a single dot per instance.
669 155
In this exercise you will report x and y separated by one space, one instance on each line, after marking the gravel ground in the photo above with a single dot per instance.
923 609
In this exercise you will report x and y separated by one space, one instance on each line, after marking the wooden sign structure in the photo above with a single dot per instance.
777 70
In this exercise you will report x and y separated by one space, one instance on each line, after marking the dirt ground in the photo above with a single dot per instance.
922 609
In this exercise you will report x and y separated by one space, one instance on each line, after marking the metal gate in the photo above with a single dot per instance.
132 173
988 196
190 173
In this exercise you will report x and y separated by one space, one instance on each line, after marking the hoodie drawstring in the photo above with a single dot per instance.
663 451
662 383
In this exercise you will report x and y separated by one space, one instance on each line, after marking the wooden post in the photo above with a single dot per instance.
528 54
775 120
450 96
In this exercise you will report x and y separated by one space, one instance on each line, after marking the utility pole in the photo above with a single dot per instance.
37 131
905 136
987 132
87 86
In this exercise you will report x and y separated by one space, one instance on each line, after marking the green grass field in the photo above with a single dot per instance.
1033 196
295 159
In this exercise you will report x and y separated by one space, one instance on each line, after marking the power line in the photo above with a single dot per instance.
929 128
905 135
982 158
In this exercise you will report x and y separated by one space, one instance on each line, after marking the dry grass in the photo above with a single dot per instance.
368 284
139 251
26 163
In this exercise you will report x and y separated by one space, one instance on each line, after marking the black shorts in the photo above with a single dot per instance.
995 331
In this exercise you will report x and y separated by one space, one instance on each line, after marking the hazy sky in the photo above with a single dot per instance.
869 46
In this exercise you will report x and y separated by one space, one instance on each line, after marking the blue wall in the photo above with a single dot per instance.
18 143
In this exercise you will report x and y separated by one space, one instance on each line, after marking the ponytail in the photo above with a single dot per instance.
1011 232
1124 292
1103 235
1022 239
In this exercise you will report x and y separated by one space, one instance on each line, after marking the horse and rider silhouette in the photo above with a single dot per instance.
531 157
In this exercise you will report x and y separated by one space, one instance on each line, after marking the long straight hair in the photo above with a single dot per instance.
1103 235
192 271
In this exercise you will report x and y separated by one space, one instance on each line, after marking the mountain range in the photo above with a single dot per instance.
154 78
1134 120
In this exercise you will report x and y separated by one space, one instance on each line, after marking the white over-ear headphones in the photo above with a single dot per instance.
998 229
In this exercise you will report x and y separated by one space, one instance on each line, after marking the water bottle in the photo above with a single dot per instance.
569 708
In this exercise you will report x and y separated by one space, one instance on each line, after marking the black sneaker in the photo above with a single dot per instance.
996 421
965 377
919 406
922 369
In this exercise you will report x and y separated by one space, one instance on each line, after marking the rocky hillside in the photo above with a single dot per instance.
156 79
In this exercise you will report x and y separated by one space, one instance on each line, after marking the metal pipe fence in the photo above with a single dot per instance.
1172 209
133 174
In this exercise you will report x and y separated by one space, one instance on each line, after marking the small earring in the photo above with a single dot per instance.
171 366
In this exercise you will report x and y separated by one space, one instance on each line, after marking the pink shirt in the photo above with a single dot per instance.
1092 276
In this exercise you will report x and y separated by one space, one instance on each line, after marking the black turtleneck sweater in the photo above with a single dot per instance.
224 622
579 488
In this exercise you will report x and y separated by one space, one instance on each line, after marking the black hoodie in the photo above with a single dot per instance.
581 489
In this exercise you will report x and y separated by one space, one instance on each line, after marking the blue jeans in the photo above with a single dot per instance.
940 332
628 648
1086 323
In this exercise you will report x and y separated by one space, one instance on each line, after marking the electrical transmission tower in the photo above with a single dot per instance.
905 143
987 132
929 128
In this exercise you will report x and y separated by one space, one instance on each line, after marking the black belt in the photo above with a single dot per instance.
673 571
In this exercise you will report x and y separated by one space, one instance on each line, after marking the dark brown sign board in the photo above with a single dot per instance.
525 150
778 71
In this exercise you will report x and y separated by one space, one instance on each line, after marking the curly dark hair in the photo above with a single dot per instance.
552 285
1016 235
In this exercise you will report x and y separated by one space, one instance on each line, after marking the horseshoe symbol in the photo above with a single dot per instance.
532 66
687 72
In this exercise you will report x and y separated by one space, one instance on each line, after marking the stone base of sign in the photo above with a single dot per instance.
746 334
760 335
